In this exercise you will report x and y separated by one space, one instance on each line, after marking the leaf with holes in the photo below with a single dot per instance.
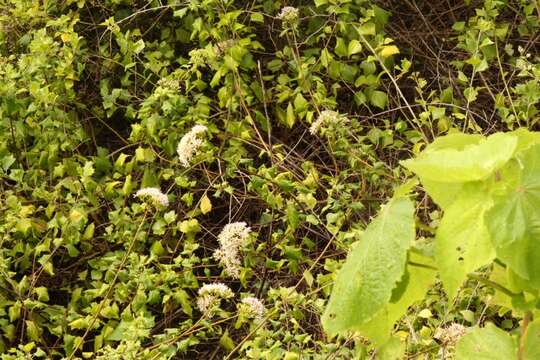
372 270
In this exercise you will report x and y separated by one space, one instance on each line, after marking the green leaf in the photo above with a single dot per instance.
531 348
341 48
354 47
290 119
226 342
373 268
526 139
418 277
33 331
462 241
366 29
394 349
450 160
488 343
378 99
514 220
257 17
443 194
190 226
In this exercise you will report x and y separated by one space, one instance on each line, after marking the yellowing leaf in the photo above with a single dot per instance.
354 47
425 314
206 204
389 50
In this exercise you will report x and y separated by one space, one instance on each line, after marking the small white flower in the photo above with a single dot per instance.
154 194
231 239
189 144
200 57
450 335
326 117
289 15
211 294
253 307
219 289
168 84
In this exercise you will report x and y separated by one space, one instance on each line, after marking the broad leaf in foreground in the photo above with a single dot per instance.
418 277
488 343
372 269
451 160
514 220
462 240
531 348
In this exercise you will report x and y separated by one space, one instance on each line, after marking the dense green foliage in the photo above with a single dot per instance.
269 134
491 212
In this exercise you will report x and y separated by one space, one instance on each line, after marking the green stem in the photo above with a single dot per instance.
492 284
524 325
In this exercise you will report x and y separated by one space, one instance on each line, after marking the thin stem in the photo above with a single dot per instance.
492 284
524 327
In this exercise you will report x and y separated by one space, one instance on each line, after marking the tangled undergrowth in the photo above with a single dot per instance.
182 179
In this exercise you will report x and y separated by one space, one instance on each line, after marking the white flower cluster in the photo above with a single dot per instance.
289 15
211 294
169 84
326 117
253 307
231 239
154 194
450 335
200 57
189 144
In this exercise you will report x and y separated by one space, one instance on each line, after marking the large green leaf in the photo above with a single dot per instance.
462 239
488 343
418 277
455 158
526 138
394 349
514 220
531 348
443 194
373 268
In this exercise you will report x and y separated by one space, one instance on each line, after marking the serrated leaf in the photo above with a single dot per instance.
514 220
462 163
418 277
372 269
190 226
488 343
33 330
462 242
206 204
